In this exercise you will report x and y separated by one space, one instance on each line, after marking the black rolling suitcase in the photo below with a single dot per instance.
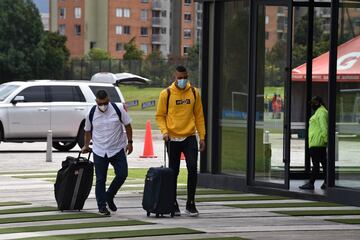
73 183
159 191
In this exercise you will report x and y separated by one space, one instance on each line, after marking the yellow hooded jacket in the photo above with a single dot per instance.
185 113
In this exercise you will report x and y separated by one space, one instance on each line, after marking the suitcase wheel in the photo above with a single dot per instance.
148 214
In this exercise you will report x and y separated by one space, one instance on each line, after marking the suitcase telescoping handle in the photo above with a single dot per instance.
166 147
88 158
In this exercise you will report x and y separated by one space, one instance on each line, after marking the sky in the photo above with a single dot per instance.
43 5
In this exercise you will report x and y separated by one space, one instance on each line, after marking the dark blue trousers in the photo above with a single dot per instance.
119 163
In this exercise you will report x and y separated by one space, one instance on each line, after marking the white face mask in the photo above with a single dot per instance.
182 83
103 108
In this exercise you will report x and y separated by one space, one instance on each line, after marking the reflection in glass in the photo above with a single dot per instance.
234 87
271 77
347 140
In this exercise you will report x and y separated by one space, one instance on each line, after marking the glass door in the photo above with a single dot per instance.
271 89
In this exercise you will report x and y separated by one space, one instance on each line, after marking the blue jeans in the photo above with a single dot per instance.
119 163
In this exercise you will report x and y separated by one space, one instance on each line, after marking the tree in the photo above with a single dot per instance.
155 68
56 56
98 54
321 40
20 36
132 52
193 64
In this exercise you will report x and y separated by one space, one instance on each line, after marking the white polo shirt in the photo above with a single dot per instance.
108 134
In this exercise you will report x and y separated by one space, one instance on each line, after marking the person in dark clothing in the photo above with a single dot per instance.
318 137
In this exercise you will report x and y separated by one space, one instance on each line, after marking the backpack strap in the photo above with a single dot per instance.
91 115
168 97
117 110
92 111
194 92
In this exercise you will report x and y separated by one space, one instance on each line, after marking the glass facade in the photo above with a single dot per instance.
234 65
258 83
271 78
347 140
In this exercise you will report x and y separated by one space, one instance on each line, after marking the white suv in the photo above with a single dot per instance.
29 109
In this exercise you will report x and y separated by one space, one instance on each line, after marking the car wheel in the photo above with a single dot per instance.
1 132
64 146
80 136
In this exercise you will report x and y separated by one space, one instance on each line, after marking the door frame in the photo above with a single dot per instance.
252 95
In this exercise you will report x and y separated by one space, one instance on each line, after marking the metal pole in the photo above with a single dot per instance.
49 146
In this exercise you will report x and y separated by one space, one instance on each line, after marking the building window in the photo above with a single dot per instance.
266 19
77 12
187 2
126 12
155 13
144 48
126 29
187 17
118 30
119 12
143 31
77 29
92 44
163 14
186 49
144 14
119 46
62 13
187 33
62 29
144 1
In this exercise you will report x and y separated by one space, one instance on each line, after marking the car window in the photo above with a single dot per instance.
66 94
34 94
6 90
111 91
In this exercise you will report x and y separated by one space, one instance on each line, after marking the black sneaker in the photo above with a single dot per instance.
104 211
176 209
307 186
323 186
111 204
191 209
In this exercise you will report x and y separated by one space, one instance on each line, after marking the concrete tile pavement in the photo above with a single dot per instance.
215 219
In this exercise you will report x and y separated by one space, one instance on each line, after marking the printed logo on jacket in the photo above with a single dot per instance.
183 102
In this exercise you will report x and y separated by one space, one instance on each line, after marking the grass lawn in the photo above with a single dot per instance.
140 173
138 115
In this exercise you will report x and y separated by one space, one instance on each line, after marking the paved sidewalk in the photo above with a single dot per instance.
216 220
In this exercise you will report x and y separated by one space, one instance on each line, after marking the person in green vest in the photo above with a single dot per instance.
318 138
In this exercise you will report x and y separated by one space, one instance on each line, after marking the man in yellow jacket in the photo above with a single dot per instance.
318 137
179 116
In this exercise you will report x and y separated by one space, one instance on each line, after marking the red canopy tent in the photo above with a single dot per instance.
348 65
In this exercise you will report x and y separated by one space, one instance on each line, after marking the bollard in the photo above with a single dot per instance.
266 137
49 146
336 146
267 154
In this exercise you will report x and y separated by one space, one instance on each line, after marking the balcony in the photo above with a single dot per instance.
157 21
157 39
156 5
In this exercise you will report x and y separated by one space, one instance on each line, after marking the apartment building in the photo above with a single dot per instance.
170 26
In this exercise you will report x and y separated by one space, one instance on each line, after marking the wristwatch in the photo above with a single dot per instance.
130 141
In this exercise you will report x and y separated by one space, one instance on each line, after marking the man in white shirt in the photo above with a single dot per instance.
104 125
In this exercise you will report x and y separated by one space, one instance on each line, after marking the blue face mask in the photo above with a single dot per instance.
182 83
